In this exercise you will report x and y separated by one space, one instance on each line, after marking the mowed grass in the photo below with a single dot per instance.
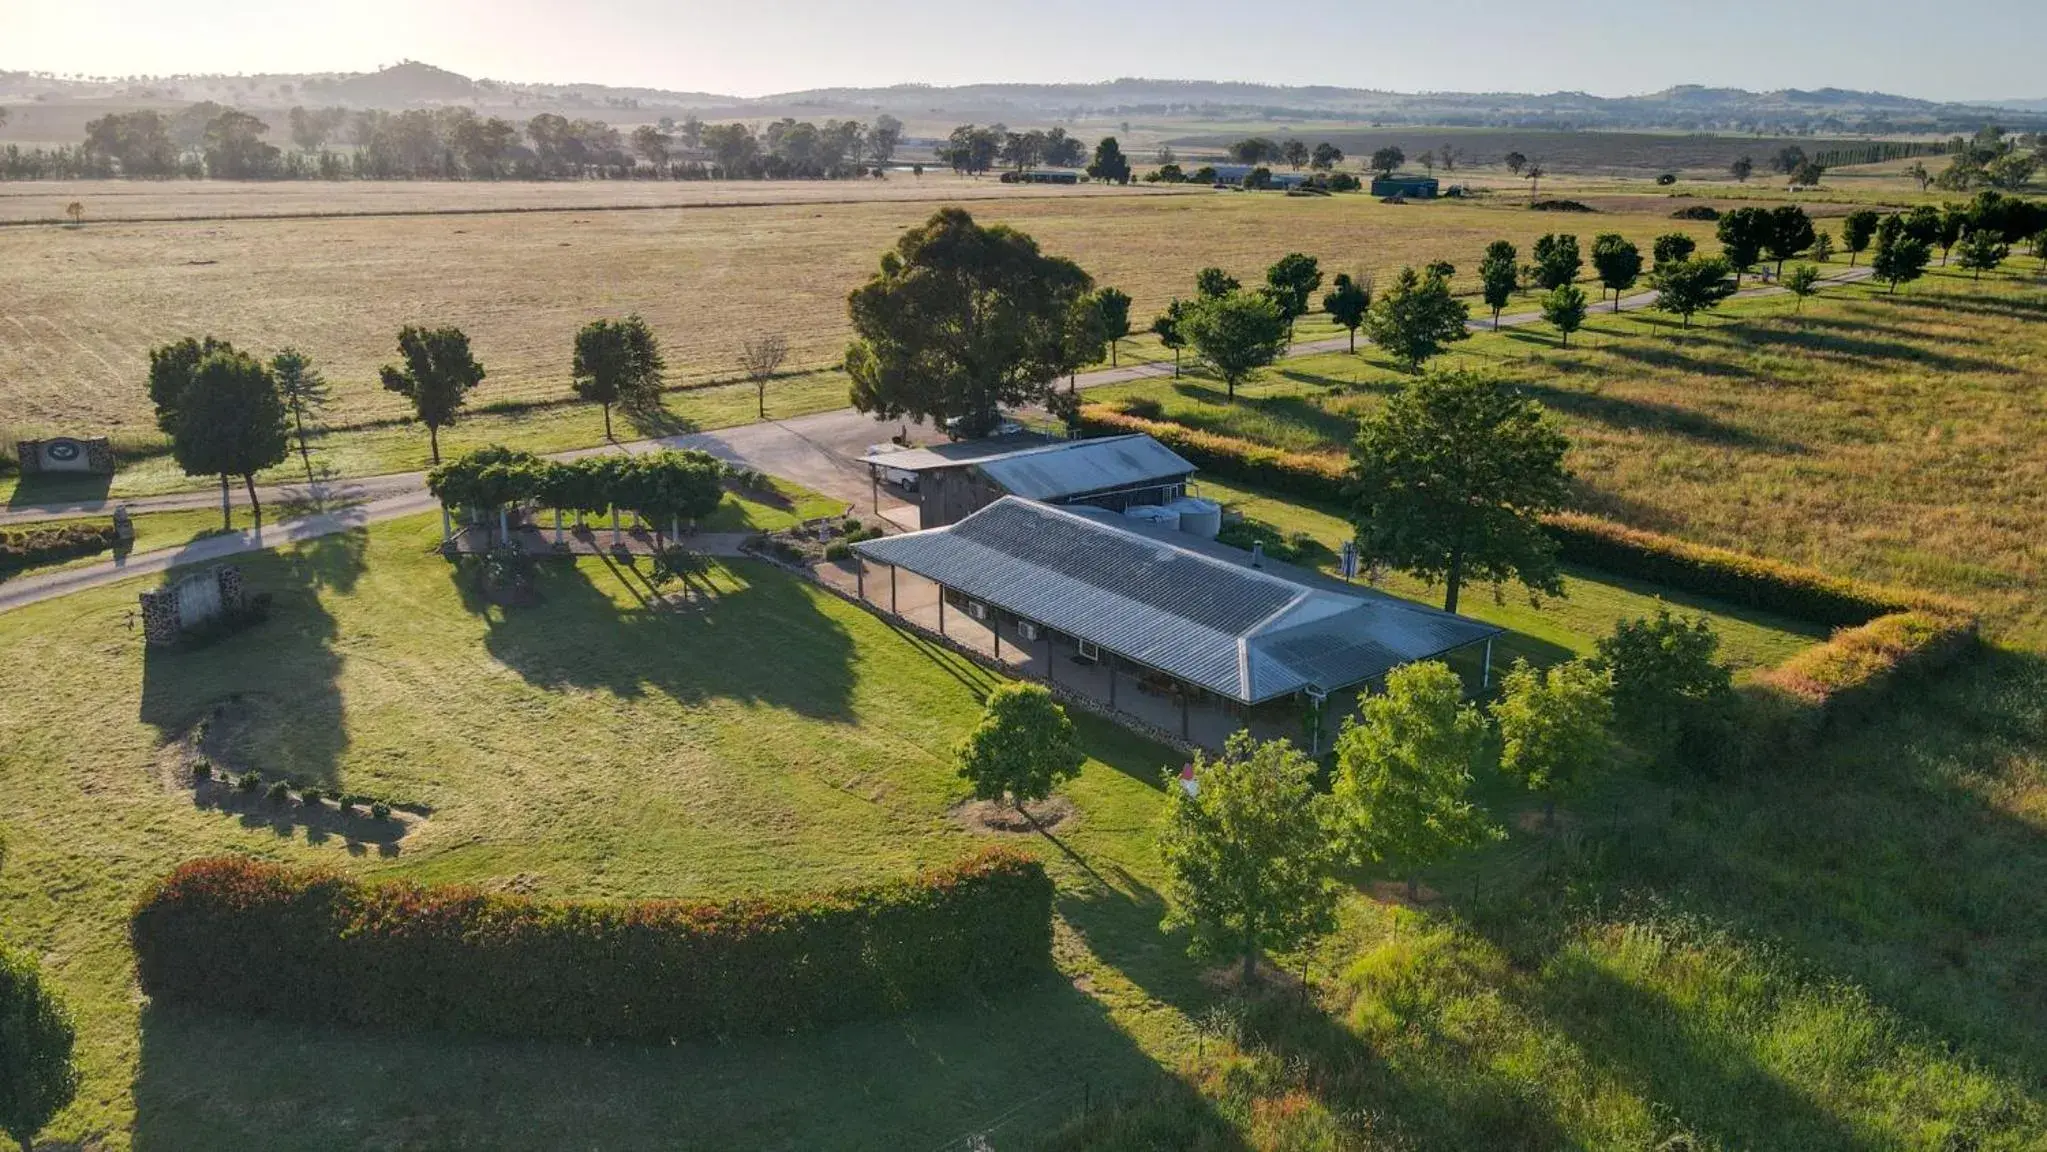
85 305
1736 959
1899 439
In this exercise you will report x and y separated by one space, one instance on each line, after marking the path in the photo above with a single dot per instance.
820 451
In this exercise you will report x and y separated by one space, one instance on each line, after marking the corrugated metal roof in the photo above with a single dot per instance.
1078 467
1185 606
963 452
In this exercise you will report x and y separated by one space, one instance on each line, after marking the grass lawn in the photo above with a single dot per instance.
1849 955
1898 439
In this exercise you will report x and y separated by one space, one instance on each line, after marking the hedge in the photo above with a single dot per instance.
26 548
231 934
1845 678
1770 585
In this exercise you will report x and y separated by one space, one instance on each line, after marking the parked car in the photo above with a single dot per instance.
901 478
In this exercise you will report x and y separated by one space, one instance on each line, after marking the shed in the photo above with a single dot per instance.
1409 187
1113 472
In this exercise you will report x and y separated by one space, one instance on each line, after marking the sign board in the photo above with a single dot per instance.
67 454
1350 560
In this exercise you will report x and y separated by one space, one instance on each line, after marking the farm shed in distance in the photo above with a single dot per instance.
1408 187
1196 626
956 480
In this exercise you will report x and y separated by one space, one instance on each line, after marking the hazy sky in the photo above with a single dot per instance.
1955 49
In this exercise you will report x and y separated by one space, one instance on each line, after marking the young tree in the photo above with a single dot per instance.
1023 748
1857 229
438 373
1564 307
1823 246
1404 764
1214 282
1919 174
1790 232
882 138
1291 284
1687 286
1672 247
1618 262
1237 334
1386 160
1295 153
305 394
37 1075
1954 220
1109 164
1325 157
1803 281
1499 274
1742 233
1248 853
1742 168
1553 726
1452 477
1663 671
1417 317
1347 303
1923 224
1112 317
617 362
1557 262
2039 250
1900 257
1515 162
760 358
1166 326
75 210
231 423
1983 250
961 320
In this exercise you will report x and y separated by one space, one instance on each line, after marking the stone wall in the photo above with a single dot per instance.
174 609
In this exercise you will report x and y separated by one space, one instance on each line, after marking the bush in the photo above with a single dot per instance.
379 810
30 547
311 797
1696 212
1667 179
838 550
1855 671
278 793
232 934
1291 548
249 782
202 773
1560 206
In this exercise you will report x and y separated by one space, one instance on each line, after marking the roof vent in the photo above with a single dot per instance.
1257 553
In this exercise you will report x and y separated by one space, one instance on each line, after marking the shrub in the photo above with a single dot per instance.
1289 548
202 772
29 547
1667 179
1696 212
249 782
379 810
278 793
233 934
838 550
1560 206
311 797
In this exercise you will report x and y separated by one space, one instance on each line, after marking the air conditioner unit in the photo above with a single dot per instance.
1027 629
977 610
1088 651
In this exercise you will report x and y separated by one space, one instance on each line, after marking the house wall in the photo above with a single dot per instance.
949 495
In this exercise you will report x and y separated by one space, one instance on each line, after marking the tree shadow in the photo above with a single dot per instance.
579 635
287 664
1813 341
1995 307
1638 1037
39 488
1218 413
652 419
1652 417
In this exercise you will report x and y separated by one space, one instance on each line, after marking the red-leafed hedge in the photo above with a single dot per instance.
48 544
232 934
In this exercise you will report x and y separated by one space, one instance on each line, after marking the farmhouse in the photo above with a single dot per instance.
953 481
1176 629
1406 187
1236 174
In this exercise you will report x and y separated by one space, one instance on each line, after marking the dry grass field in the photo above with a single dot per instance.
79 308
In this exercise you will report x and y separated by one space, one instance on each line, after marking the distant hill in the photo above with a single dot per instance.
1696 108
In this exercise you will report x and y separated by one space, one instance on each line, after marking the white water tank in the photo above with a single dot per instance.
1159 514
1203 518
